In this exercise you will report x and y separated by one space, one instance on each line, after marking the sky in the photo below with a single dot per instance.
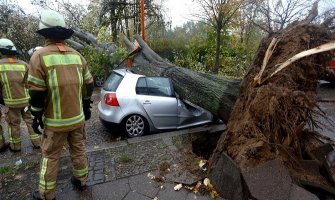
178 11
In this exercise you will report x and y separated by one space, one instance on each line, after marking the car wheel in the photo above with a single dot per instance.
134 126
99 81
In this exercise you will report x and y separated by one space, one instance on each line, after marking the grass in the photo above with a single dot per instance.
124 158
177 141
13 169
7 170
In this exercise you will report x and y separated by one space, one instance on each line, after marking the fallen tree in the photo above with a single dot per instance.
266 113
214 93
277 101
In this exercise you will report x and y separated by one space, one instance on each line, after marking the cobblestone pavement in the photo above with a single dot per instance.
96 134
117 171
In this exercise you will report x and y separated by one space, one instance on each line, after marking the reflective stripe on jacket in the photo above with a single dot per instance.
62 74
13 89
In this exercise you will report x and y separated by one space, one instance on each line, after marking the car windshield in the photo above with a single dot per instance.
112 82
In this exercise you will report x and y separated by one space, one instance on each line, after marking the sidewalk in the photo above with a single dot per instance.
119 171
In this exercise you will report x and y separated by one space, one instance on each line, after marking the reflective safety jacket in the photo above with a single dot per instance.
12 86
62 72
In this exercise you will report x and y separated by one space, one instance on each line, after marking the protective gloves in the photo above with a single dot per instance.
37 102
37 121
87 108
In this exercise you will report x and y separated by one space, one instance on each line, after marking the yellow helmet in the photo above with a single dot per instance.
52 25
7 47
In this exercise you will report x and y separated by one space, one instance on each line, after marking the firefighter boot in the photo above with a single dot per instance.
77 183
4 147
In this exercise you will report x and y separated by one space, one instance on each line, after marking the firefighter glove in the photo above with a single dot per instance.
37 121
87 108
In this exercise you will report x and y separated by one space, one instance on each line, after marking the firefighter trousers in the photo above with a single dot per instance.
52 145
14 120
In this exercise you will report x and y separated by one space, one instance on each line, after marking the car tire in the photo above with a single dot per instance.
134 126
99 81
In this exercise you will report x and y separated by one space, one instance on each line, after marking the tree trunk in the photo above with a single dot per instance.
218 49
214 93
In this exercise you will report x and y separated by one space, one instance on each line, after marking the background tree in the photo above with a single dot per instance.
218 14
123 16
19 27
274 15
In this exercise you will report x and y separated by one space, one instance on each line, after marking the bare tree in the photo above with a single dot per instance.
274 15
18 26
218 14
121 15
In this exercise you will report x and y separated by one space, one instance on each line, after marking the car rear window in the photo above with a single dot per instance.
112 82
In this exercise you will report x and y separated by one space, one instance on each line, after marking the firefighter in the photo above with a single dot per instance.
60 86
15 95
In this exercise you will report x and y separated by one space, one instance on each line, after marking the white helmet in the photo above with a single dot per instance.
32 50
7 47
52 26
50 18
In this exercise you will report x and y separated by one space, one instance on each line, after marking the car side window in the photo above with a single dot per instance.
141 86
159 86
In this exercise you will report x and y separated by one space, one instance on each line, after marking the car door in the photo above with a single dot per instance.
156 96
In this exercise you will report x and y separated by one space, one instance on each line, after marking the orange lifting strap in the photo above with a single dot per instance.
11 60
60 47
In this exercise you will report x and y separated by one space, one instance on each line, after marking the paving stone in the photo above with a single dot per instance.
112 190
144 185
192 196
71 193
179 175
228 174
270 180
299 193
98 177
168 193
132 195
100 167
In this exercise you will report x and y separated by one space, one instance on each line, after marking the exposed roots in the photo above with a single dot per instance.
267 120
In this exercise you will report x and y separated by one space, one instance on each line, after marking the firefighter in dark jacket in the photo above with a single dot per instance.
60 87
15 96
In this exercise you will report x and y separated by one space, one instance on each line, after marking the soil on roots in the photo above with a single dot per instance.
268 119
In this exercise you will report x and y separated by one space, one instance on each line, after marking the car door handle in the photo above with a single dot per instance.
147 102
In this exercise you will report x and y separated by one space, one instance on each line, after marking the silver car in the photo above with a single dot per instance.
139 104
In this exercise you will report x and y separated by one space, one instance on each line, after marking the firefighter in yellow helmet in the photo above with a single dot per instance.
15 95
60 87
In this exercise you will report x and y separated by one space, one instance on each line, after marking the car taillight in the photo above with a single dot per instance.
110 99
